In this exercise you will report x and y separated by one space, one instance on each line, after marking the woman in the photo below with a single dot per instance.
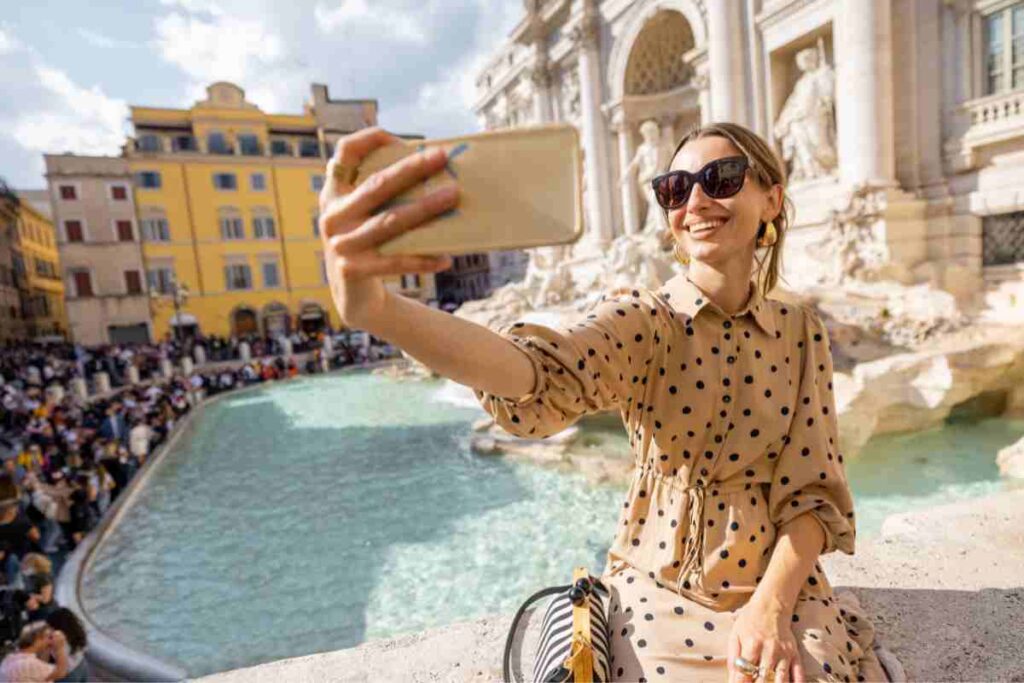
36 641
64 621
726 395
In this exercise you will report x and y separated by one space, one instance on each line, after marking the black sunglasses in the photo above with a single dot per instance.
719 179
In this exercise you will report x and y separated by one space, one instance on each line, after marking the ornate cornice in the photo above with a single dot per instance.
540 75
586 33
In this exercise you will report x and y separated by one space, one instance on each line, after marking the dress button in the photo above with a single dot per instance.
727 324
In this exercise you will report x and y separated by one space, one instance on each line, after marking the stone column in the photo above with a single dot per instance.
244 352
166 368
540 76
630 219
727 62
669 138
864 109
595 135
328 345
133 375
102 382
200 354
186 366
703 85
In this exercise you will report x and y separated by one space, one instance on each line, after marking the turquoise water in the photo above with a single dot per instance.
903 472
318 514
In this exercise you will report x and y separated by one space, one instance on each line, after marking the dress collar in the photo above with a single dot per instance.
688 299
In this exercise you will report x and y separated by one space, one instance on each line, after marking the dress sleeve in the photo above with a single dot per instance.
809 475
594 365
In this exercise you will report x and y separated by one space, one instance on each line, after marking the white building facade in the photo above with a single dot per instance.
901 121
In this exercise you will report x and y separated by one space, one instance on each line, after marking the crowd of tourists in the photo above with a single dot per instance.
65 461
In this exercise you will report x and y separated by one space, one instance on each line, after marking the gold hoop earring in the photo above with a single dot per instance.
682 257
770 237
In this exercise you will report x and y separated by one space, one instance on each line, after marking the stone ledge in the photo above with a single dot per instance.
949 610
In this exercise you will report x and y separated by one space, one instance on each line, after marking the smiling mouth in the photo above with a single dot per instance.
705 226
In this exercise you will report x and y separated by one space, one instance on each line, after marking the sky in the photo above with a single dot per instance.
70 69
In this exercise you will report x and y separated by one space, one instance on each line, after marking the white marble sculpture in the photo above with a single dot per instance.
647 163
806 127
857 252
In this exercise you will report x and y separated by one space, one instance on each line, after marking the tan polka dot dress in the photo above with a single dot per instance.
732 428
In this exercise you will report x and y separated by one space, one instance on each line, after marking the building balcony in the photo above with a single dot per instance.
985 121
1000 115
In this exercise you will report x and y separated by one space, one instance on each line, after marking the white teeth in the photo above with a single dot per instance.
705 224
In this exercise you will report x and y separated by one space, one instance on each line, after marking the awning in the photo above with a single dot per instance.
184 319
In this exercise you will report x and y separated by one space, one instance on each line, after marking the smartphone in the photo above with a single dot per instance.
519 188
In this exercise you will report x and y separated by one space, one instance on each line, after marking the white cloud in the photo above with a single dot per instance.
72 118
454 93
8 43
224 47
99 40
397 24
195 6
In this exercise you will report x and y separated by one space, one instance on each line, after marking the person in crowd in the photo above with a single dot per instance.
64 621
18 536
113 426
139 438
36 642
41 602
36 563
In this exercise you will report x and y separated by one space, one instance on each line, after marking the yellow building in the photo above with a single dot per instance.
12 325
226 197
36 261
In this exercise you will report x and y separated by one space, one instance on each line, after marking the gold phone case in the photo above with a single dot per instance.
519 189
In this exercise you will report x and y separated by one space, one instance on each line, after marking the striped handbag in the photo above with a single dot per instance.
574 639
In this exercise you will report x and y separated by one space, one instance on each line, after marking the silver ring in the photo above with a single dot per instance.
746 667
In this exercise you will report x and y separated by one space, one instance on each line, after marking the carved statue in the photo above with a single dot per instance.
631 262
647 164
806 127
855 250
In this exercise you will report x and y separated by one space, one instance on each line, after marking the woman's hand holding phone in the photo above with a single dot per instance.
352 226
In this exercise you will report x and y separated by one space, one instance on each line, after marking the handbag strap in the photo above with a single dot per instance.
515 623
581 661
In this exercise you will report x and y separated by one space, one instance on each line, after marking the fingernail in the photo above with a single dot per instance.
437 154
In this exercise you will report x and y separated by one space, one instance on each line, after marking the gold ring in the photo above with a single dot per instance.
345 173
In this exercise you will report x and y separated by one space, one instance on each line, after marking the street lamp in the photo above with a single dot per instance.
178 295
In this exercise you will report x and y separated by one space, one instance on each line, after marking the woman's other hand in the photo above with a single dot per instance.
762 634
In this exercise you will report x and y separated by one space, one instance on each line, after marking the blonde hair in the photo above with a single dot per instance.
36 563
769 170
30 633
